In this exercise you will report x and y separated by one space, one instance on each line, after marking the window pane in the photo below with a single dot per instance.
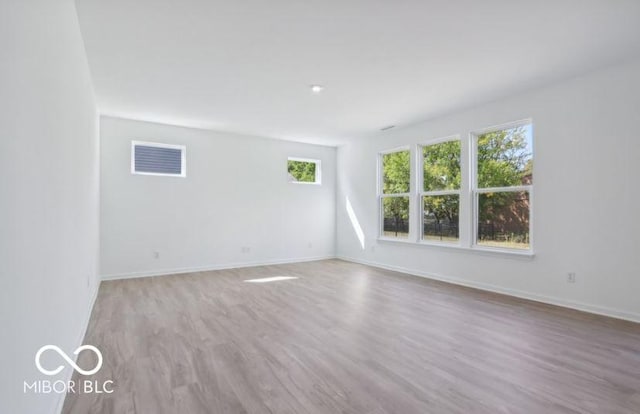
395 217
442 166
440 217
504 219
505 158
302 171
396 172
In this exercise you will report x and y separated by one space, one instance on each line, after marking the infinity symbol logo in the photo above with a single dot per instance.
69 360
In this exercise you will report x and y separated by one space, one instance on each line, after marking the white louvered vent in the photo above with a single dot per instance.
150 158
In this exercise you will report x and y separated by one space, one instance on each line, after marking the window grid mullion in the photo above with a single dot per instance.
395 195
512 189
439 193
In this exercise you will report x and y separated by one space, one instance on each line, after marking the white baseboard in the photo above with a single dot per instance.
164 272
79 341
584 307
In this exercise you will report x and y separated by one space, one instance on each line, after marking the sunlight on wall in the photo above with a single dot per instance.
355 223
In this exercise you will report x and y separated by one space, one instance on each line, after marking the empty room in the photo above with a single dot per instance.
319 207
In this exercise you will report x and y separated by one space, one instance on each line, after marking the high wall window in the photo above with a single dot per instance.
440 191
304 171
502 187
394 193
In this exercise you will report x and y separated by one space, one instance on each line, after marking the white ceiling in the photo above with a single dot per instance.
246 65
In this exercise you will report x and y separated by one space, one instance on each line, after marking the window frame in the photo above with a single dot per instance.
381 195
183 160
468 194
318 172
475 191
421 193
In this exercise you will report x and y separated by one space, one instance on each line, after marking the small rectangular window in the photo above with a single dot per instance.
441 179
395 180
304 171
503 186
150 158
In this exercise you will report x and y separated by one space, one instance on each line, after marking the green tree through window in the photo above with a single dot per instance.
396 179
302 171
442 178
504 163
500 189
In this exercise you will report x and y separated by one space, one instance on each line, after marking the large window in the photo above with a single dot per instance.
502 187
395 183
474 193
440 193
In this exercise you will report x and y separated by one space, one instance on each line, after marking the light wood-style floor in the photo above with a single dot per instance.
347 338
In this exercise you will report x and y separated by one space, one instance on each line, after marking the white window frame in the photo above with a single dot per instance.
475 191
422 193
318 176
381 195
183 162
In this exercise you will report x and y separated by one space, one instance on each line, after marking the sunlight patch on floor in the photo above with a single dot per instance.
271 279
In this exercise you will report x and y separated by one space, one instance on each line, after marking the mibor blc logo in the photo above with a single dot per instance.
69 360
71 386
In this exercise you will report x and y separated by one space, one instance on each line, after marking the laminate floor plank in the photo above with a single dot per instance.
348 338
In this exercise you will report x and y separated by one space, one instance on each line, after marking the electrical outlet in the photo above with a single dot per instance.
156 255
571 277
246 249
310 245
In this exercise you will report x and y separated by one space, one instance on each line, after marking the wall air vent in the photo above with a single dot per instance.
150 158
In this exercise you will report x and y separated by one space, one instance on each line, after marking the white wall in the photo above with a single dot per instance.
235 195
48 193
585 207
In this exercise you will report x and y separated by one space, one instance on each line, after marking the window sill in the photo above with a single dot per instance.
394 240
488 251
